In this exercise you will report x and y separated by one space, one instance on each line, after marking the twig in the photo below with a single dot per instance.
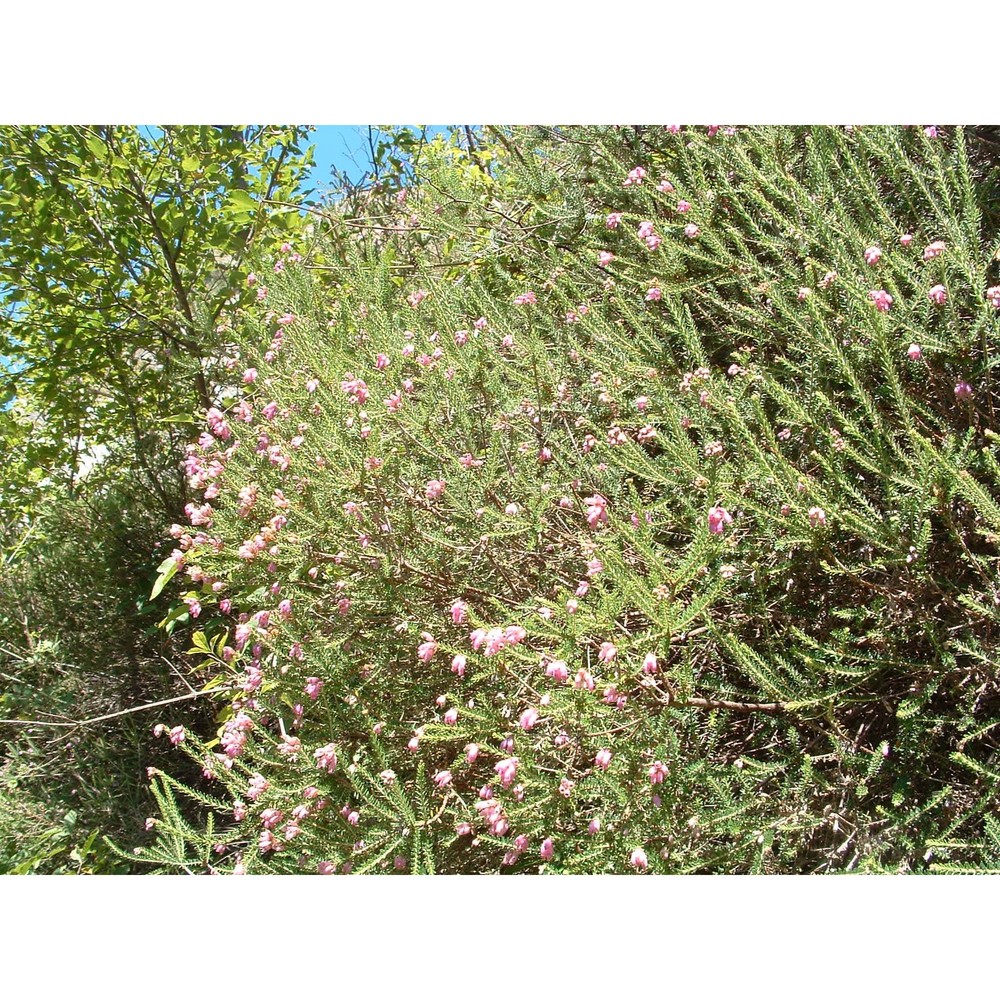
115 715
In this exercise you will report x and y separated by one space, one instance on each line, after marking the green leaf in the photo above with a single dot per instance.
168 569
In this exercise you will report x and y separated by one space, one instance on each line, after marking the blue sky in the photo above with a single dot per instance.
342 146
346 147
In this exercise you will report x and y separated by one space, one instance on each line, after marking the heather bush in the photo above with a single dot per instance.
608 500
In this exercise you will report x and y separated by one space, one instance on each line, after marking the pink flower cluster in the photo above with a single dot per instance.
635 177
491 641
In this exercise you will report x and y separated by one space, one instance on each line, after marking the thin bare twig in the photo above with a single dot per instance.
115 715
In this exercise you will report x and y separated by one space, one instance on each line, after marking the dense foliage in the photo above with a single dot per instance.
600 500
117 255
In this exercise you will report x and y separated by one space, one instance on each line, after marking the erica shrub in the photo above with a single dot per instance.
628 507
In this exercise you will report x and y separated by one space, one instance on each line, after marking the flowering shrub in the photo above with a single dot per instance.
509 564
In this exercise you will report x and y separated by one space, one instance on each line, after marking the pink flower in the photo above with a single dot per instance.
635 176
271 818
382 362
913 352
557 670
481 323
177 735
525 299
653 241
817 517
458 664
938 295
804 294
613 220
649 664
566 787
604 258
691 230
906 239
594 826
597 512
268 842
993 296
603 759
963 391
657 772
250 376
546 850
427 649
654 295
718 518
458 610
434 488
313 687
645 229
442 778
881 298
638 860
451 717
683 206
873 255
507 771
326 758
514 634
608 652
529 718
934 249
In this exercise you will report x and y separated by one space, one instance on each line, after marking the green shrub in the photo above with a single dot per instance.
676 486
